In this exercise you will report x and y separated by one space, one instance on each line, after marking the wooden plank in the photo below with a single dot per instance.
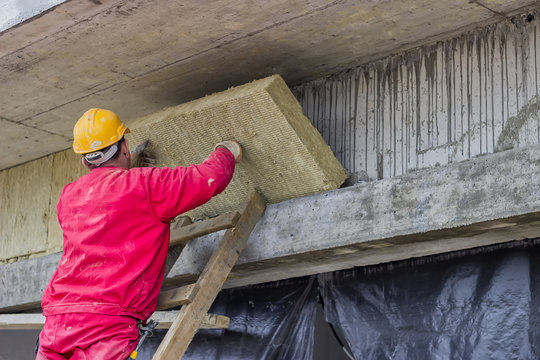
35 321
29 306
181 236
210 321
211 280
21 321
176 297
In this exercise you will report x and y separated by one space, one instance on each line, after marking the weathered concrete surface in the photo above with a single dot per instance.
471 95
483 201
57 65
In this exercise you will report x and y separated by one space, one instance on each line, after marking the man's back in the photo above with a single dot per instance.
116 231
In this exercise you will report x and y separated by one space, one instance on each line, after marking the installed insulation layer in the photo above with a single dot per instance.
28 197
24 201
284 155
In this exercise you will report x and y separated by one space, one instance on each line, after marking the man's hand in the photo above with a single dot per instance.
140 157
234 147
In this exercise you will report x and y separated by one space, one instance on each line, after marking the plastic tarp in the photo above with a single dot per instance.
474 307
268 321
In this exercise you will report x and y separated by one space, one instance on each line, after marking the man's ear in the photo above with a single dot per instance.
125 147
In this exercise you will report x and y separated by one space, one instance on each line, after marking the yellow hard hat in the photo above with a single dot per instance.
97 129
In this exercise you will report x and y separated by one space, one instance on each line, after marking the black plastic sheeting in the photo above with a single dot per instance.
476 307
449 306
268 321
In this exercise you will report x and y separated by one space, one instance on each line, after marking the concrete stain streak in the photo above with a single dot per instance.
469 96
509 136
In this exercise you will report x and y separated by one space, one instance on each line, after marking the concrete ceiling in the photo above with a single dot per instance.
136 57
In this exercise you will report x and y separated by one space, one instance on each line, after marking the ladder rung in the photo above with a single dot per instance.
213 321
183 234
210 321
27 321
175 297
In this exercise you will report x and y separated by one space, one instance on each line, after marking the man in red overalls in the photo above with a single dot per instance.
115 223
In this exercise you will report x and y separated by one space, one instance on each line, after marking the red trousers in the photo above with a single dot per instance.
88 337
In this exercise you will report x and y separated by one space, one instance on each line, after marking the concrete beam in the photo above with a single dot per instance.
488 200
22 283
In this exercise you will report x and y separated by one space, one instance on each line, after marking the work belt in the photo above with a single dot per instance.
144 332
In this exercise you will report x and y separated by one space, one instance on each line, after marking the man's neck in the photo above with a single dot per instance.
111 164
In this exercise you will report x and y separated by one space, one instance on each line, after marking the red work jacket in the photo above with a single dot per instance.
116 231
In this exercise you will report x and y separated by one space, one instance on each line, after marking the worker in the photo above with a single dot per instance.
116 227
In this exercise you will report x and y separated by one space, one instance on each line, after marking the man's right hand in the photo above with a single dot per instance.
234 147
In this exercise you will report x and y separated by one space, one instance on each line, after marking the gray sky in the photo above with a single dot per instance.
13 12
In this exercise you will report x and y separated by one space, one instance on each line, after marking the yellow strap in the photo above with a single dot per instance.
133 355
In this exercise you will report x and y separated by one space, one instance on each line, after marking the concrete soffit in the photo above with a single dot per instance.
488 200
159 56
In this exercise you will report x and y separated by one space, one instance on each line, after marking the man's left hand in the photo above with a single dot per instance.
141 157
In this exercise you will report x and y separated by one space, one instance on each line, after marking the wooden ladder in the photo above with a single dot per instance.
198 297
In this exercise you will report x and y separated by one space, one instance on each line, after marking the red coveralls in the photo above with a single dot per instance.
116 236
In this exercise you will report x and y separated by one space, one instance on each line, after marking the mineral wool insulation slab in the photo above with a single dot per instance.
284 155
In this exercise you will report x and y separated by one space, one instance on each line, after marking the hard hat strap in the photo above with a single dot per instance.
99 157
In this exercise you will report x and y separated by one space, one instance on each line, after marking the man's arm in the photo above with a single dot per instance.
234 147
175 191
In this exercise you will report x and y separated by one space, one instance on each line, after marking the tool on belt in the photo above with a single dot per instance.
144 332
